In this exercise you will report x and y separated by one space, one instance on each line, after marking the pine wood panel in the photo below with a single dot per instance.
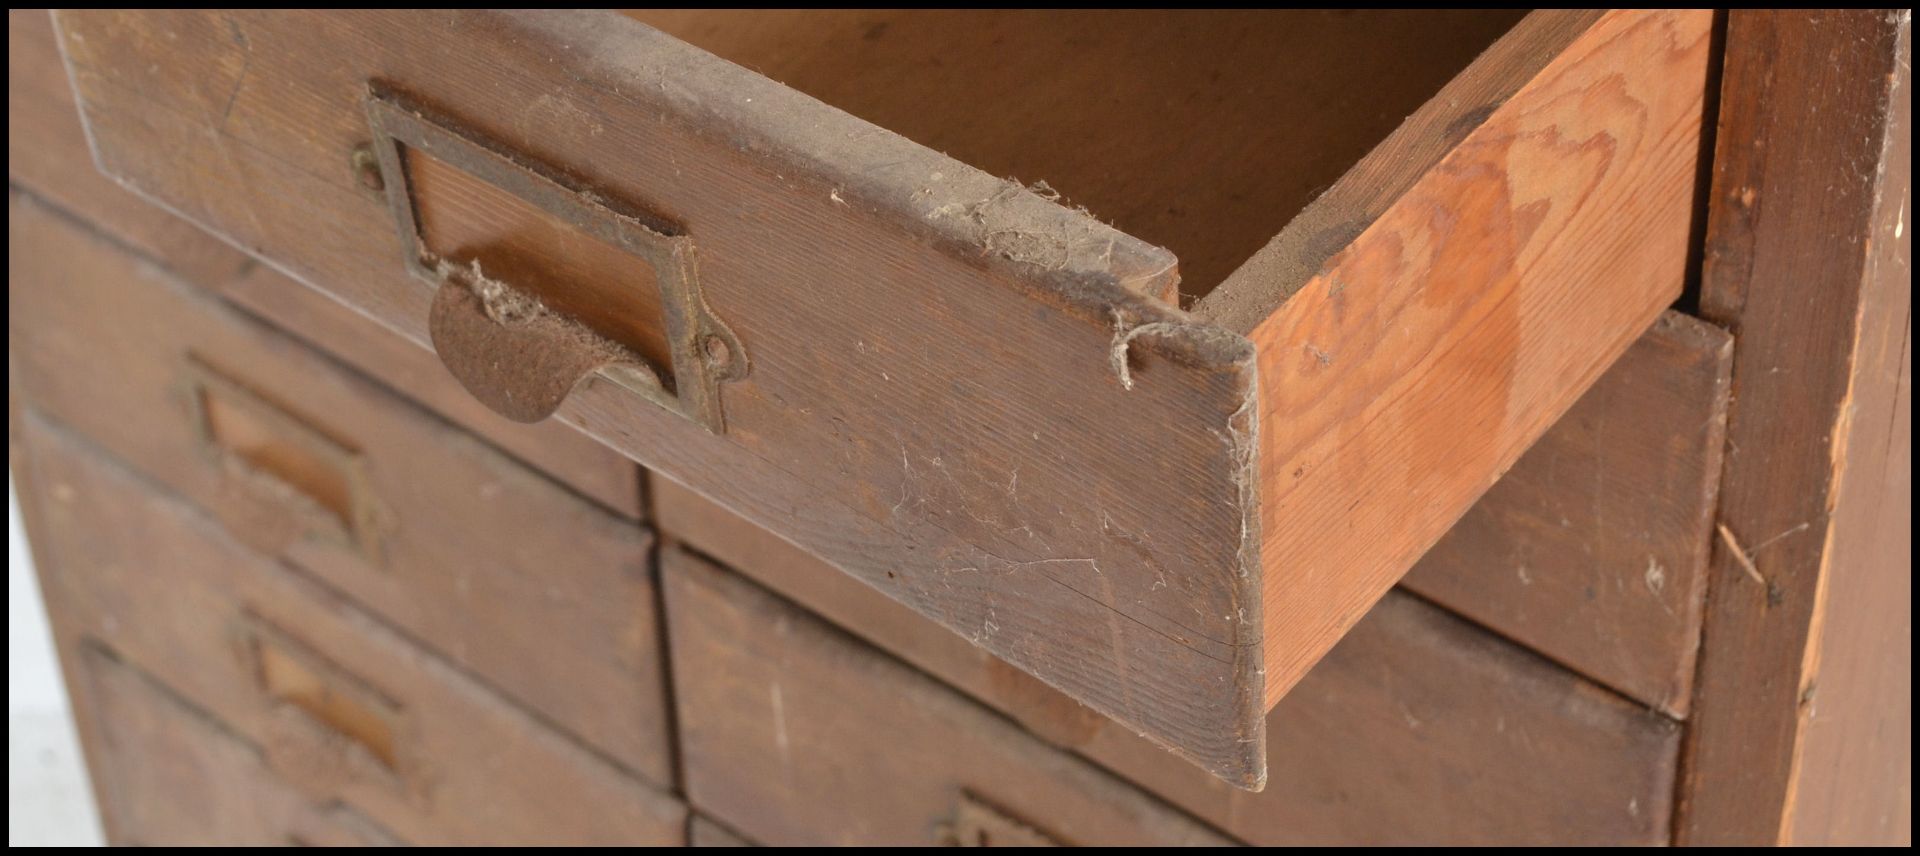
1420 361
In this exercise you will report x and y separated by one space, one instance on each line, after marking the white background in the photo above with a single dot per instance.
48 802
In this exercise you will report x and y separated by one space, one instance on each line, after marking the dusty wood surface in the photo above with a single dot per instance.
47 151
179 599
1421 360
491 563
1202 132
799 735
48 155
933 402
177 777
1802 728
1419 728
1593 549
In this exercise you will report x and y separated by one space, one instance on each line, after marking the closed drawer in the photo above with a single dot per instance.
540 592
964 390
1419 728
795 734
340 704
1593 549
167 774
48 158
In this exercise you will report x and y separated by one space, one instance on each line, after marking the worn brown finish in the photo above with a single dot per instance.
179 599
48 154
595 471
897 304
1802 725
798 735
176 777
885 418
1593 549
545 594
1419 728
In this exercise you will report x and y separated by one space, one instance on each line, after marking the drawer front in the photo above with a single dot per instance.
887 437
49 158
504 571
168 774
1593 549
1418 728
47 153
339 704
981 401
796 734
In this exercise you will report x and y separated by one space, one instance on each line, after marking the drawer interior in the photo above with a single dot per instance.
1202 132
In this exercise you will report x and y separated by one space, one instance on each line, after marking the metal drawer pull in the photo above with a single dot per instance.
541 282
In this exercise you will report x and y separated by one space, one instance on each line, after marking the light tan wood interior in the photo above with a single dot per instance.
1203 132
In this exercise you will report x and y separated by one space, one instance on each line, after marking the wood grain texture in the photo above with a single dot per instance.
933 402
177 777
1428 354
513 577
1807 262
1331 220
48 154
1418 728
1201 131
800 735
177 598
1593 549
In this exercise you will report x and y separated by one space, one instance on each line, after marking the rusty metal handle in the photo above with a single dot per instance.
522 360
499 338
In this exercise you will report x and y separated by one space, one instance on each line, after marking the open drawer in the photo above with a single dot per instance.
1161 451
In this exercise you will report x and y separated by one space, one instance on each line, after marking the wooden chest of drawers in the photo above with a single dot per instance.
885 502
